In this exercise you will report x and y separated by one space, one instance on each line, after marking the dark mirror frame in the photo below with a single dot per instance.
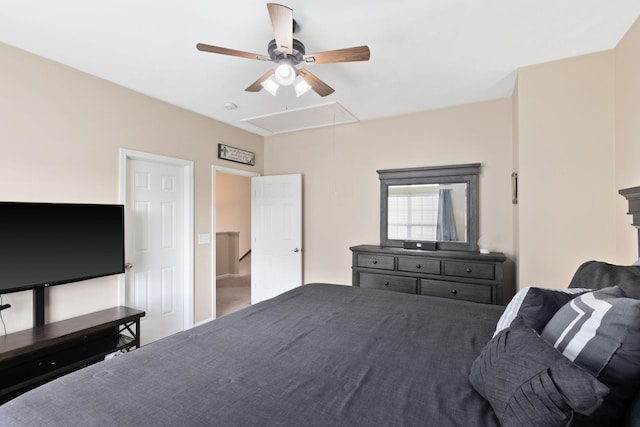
467 173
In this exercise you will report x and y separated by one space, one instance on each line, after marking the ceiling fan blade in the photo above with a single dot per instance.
232 52
350 54
320 87
257 85
282 23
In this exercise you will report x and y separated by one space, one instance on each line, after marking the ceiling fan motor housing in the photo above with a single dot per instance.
296 56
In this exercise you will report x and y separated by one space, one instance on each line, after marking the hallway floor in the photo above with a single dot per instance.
232 294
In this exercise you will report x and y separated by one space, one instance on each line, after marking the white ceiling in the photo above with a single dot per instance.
425 54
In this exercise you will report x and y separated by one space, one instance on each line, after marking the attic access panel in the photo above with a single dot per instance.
312 117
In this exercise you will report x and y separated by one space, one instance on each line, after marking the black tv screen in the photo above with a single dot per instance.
44 244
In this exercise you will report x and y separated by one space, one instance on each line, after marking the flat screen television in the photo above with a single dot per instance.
46 244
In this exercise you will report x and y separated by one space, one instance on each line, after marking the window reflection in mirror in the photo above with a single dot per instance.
428 212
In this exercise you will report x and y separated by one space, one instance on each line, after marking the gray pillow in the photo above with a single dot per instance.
529 383
535 306
600 332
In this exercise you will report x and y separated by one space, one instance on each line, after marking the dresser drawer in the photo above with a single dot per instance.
477 270
461 291
384 262
419 265
391 283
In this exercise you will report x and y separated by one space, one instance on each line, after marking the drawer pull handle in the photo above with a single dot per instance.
468 270
375 262
386 283
418 266
453 291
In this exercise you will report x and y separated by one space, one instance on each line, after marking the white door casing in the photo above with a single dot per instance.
157 194
276 228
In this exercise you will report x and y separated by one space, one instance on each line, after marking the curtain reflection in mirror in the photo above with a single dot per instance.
446 230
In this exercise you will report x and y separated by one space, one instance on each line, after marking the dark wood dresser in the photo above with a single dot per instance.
469 276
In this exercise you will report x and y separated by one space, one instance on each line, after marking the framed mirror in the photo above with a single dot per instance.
432 206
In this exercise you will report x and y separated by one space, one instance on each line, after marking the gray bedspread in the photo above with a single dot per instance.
320 355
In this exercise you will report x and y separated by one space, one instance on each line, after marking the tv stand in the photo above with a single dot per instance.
35 356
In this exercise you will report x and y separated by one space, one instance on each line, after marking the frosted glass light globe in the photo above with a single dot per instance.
285 74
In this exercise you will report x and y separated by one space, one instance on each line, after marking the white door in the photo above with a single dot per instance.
154 246
276 230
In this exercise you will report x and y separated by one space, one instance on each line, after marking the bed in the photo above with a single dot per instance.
319 355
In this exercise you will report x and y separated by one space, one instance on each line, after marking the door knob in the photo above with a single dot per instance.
296 250
128 266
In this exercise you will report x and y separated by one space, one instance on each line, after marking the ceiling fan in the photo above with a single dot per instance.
288 52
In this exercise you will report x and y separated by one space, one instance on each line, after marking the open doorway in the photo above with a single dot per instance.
232 200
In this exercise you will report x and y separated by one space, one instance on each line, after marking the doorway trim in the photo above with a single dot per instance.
230 171
188 190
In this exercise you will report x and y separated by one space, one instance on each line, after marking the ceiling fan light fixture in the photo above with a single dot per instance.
285 74
271 86
301 86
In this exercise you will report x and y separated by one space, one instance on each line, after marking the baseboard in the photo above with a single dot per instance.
203 322
227 276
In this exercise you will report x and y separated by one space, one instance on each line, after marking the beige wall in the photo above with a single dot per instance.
627 105
60 132
514 183
577 133
341 186
566 165
233 207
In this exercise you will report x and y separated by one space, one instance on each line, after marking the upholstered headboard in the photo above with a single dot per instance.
598 275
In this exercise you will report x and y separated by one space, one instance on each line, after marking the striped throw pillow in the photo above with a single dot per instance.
600 332
536 306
